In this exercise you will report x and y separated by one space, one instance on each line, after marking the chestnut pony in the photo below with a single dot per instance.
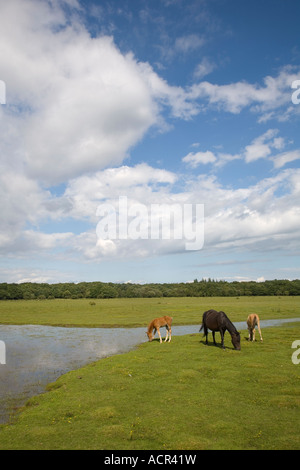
156 324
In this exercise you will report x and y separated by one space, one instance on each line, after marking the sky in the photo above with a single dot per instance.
129 127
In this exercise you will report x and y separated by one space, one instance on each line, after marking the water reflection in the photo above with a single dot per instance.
37 355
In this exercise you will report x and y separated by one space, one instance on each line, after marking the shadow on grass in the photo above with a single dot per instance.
215 345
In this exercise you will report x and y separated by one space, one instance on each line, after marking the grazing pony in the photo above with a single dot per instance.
156 324
218 321
252 322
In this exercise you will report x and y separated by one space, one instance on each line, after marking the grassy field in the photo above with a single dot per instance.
138 312
178 395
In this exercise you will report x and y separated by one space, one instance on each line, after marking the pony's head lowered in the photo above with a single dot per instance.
236 340
150 335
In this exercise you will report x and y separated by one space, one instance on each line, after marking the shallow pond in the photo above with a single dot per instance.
37 355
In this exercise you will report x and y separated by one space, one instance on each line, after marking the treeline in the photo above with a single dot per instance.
102 290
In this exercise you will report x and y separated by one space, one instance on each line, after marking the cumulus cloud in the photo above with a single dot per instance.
79 103
261 147
195 159
260 217
21 203
282 159
264 146
266 99
139 183
75 106
205 67
254 217
267 145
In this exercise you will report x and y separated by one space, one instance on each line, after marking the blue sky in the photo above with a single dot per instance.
164 102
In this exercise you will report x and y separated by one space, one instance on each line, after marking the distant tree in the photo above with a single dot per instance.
92 290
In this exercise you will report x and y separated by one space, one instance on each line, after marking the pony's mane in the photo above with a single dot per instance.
151 326
232 328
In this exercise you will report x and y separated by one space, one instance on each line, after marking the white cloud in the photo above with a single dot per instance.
265 100
205 67
31 274
88 104
78 103
224 158
195 159
250 218
21 202
218 159
261 147
265 145
76 106
282 159
188 43
28 243
261 217
141 183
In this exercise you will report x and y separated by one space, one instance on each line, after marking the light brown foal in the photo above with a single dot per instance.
252 322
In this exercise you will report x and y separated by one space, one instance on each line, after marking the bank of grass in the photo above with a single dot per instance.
178 395
138 312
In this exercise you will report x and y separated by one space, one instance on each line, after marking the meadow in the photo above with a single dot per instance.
139 311
178 395
172 396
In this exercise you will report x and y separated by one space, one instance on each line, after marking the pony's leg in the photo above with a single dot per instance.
213 334
258 326
251 330
158 332
153 334
222 338
253 334
167 334
205 333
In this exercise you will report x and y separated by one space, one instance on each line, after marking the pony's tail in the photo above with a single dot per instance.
201 327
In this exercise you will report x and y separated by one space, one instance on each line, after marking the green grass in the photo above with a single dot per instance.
178 395
138 312
182 395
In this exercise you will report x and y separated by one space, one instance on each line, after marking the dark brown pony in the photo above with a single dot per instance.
218 321
156 324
